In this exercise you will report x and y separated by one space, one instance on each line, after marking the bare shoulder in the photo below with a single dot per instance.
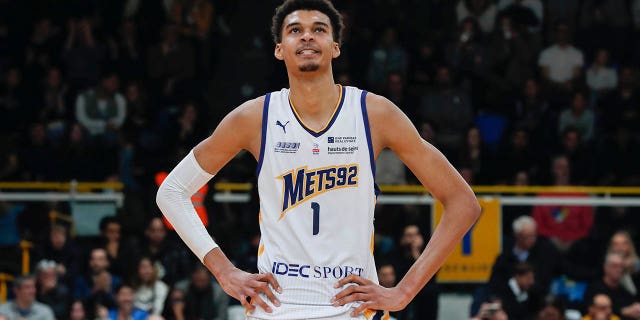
386 121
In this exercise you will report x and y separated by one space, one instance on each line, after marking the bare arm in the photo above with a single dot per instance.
391 128
240 129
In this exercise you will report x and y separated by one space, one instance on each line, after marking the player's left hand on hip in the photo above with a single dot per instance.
373 296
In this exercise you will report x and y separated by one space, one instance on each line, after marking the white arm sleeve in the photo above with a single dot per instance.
174 200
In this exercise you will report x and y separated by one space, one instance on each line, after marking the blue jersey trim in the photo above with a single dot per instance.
333 119
378 316
265 118
365 117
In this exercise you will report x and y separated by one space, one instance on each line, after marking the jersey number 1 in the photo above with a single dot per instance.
316 217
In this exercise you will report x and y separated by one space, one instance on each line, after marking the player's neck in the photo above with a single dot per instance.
314 97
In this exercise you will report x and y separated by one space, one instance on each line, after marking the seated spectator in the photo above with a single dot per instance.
622 244
204 297
551 312
601 78
619 108
600 309
578 117
77 311
491 311
528 247
387 278
125 308
149 292
61 250
580 155
622 301
519 298
25 306
50 291
483 11
476 156
563 224
102 110
170 259
98 279
174 307
120 251
561 63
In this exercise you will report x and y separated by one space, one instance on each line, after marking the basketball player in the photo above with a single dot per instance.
315 144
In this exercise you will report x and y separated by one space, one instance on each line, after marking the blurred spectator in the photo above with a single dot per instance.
450 107
25 306
121 251
517 156
519 298
149 293
425 304
9 161
561 63
600 309
387 279
390 169
623 302
601 78
204 297
125 305
388 56
491 311
61 250
511 55
528 13
170 66
36 155
622 244
580 155
604 23
396 90
423 66
195 19
170 260
475 156
50 291
578 117
483 11
620 108
186 131
102 110
55 111
551 312
563 224
128 52
77 311
82 55
618 157
174 307
528 247
74 157
466 54
43 48
15 111
97 280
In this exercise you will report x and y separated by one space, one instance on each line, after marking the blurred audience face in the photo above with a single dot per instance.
444 77
578 103
550 313
473 137
156 231
77 311
530 88
58 237
561 169
200 279
526 238
98 260
614 269
25 292
387 276
600 308
111 83
13 78
520 139
47 278
602 57
54 79
112 232
146 271
124 298
521 179
427 132
525 281
411 237
562 34
621 243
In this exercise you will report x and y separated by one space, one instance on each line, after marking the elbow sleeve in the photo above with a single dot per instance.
174 200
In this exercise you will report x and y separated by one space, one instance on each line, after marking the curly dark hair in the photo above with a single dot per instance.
324 6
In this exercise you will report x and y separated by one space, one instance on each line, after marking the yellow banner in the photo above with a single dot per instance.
471 261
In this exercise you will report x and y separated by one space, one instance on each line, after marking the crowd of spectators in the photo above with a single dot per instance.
519 92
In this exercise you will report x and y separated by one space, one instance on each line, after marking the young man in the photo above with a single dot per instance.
316 144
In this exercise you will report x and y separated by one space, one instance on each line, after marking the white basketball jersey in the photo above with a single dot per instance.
317 198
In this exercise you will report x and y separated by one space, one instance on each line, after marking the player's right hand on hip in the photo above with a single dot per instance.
246 288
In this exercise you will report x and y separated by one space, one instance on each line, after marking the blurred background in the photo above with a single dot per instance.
531 100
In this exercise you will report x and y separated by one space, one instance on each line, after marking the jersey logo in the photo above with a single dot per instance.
302 184
284 126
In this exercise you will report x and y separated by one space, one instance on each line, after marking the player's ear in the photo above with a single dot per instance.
277 52
336 50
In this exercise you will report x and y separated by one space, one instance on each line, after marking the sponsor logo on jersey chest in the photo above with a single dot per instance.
286 147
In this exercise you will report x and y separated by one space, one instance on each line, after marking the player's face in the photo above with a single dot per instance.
307 41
